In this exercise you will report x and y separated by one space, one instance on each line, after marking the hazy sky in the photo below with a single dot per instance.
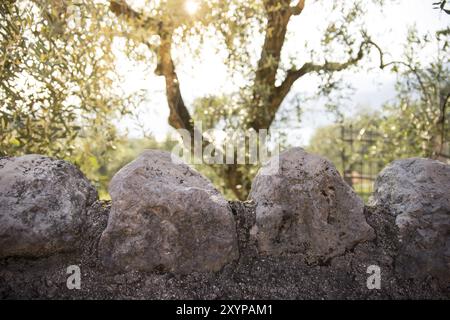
372 89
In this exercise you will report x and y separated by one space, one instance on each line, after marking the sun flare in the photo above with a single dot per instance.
191 7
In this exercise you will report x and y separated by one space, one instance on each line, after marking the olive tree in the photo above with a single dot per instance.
65 47
165 25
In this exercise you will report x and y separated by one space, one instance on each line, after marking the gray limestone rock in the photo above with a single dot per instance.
417 192
306 207
43 205
166 216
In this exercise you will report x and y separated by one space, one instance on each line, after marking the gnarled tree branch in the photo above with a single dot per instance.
309 67
179 117
298 8
279 93
264 83
122 10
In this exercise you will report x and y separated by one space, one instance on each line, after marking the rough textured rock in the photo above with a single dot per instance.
167 216
131 238
43 204
251 277
306 207
417 192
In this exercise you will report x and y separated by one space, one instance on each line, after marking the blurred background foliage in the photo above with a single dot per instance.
416 123
60 96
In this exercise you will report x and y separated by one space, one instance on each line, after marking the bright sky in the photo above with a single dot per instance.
372 89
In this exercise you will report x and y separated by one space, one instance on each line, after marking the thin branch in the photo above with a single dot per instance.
294 74
298 8
411 68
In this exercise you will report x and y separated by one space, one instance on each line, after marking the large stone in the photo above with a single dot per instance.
43 203
167 216
306 207
417 192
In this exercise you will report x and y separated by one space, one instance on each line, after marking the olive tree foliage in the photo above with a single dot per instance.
56 77
417 123
253 33
441 5
421 117
57 64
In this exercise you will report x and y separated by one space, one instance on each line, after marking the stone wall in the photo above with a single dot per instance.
168 233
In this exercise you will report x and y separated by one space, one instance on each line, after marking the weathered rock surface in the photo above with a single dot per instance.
417 192
252 277
306 207
43 204
157 223
167 217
